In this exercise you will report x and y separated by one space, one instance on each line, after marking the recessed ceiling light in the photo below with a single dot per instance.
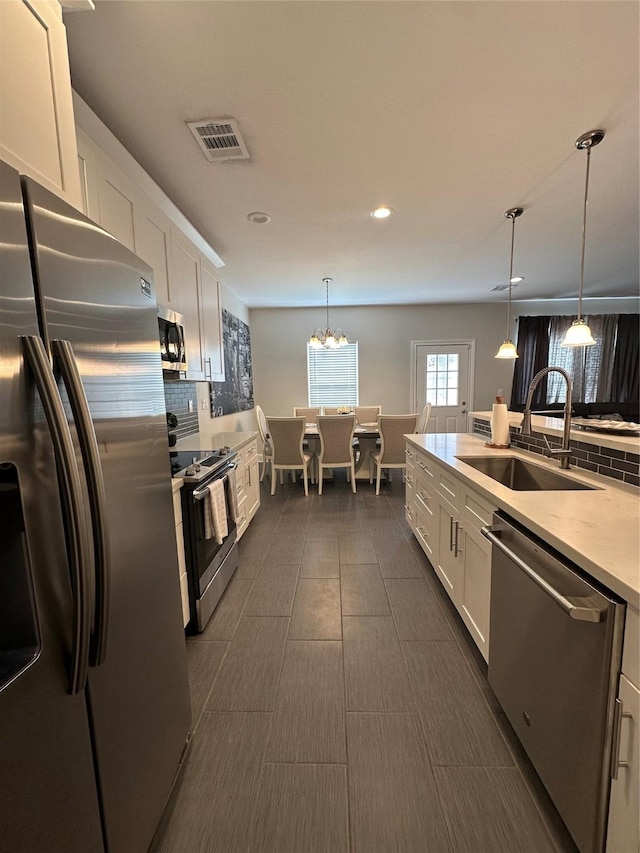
517 278
258 217
381 212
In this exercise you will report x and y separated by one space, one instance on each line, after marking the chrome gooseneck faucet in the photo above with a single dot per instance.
564 454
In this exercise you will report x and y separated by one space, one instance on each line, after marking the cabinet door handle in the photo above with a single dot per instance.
207 378
456 546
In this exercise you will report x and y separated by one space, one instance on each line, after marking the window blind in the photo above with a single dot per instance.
333 375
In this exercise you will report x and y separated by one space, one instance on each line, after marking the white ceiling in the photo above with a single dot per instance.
450 112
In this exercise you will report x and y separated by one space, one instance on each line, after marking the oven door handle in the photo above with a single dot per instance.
200 493
578 607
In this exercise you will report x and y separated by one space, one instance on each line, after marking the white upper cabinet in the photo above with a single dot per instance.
212 319
187 278
117 197
37 131
153 245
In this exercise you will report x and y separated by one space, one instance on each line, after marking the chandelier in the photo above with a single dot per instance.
330 338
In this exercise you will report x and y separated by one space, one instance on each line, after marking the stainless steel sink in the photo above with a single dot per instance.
520 475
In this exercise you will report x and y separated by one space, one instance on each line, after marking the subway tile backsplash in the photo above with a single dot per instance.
616 464
178 396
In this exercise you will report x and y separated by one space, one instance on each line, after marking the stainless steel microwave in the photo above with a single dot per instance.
171 332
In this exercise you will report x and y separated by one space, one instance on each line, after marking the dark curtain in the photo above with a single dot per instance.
625 385
533 349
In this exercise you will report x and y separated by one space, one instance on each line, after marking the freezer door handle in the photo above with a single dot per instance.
69 479
584 608
64 360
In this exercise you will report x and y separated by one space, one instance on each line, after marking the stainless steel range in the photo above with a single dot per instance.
210 565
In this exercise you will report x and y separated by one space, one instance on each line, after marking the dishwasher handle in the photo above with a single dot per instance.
580 608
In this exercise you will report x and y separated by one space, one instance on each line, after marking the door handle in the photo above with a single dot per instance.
580 608
64 359
207 378
69 479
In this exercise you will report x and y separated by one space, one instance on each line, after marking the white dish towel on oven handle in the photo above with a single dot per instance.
233 494
215 512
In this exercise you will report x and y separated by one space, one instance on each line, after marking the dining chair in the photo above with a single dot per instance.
331 410
336 446
287 452
423 420
266 441
391 455
367 414
308 412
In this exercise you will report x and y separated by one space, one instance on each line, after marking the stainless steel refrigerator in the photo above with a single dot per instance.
94 701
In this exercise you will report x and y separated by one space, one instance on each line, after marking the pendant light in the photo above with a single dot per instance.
329 339
507 349
579 334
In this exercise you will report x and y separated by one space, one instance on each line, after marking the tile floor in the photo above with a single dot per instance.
339 705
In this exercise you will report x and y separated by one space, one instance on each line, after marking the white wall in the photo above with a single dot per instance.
384 335
241 421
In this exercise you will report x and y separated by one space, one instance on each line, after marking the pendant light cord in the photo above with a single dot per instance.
513 235
327 283
584 233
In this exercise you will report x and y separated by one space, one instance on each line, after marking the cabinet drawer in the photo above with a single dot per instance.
425 467
475 511
448 487
425 505
425 533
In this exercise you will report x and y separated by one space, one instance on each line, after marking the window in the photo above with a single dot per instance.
333 375
442 379
605 372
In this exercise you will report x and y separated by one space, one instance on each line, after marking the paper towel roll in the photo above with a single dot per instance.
499 424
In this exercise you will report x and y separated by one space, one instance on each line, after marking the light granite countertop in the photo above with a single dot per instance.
598 529
215 440
555 426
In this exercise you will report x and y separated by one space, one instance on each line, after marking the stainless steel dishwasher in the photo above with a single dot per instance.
554 665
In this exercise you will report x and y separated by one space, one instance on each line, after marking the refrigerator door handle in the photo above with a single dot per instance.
69 478
64 360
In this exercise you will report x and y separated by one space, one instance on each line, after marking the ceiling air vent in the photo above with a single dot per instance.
503 287
219 139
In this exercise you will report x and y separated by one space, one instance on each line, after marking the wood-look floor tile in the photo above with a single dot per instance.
222 624
203 661
316 610
458 724
397 558
375 676
308 724
248 677
356 548
490 809
393 802
363 592
273 591
211 806
416 611
302 808
320 558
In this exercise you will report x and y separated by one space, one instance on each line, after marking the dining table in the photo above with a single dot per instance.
367 435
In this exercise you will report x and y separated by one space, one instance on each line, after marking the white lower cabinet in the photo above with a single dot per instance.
248 484
623 833
446 517
182 566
